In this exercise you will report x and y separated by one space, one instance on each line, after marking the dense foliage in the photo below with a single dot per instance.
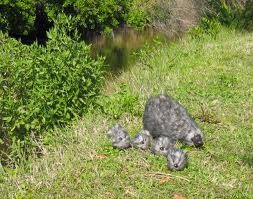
22 17
18 17
41 87
233 13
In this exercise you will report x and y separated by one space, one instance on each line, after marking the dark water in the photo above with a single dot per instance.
120 45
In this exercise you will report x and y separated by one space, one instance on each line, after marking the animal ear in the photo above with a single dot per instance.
146 132
109 133
117 126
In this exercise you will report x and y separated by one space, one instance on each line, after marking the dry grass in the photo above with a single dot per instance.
175 16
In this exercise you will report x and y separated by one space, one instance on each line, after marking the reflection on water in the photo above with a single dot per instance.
118 47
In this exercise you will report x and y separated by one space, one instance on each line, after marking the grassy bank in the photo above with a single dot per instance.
211 77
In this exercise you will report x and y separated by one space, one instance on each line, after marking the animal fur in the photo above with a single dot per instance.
164 116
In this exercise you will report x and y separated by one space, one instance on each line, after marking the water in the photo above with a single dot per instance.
119 46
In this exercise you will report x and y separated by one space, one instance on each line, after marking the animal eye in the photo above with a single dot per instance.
161 148
120 138
142 142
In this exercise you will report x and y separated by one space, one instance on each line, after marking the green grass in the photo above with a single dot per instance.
212 78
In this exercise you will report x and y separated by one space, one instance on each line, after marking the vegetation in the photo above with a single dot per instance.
27 17
54 111
44 87
238 14
19 17
211 76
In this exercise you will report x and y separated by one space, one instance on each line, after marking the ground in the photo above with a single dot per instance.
211 77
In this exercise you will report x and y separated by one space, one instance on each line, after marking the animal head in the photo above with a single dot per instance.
177 159
161 145
142 140
119 136
194 137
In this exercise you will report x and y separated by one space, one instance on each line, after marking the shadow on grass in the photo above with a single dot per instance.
247 157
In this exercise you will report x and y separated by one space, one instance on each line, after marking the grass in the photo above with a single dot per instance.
211 77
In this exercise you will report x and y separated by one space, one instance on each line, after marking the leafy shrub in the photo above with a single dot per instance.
238 14
137 18
41 87
123 101
137 15
94 14
17 17
206 27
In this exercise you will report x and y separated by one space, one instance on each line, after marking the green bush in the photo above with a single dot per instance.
206 27
18 17
137 14
238 14
43 87
94 14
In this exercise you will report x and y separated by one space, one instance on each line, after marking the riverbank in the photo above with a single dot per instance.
211 77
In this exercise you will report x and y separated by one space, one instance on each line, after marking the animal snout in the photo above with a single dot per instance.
199 144
197 140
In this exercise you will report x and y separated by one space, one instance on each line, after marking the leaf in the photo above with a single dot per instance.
164 180
101 156
7 119
177 196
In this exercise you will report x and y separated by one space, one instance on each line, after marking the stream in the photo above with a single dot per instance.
121 44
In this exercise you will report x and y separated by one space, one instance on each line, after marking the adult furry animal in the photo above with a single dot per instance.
164 116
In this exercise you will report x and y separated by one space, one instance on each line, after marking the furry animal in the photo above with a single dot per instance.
119 136
164 116
161 145
142 140
177 159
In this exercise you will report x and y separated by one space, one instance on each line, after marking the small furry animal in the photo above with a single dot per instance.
119 136
164 116
162 145
142 140
177 159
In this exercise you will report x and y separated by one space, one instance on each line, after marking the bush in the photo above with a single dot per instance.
18 17
206 27
94 14
43 87
137 15
233 13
